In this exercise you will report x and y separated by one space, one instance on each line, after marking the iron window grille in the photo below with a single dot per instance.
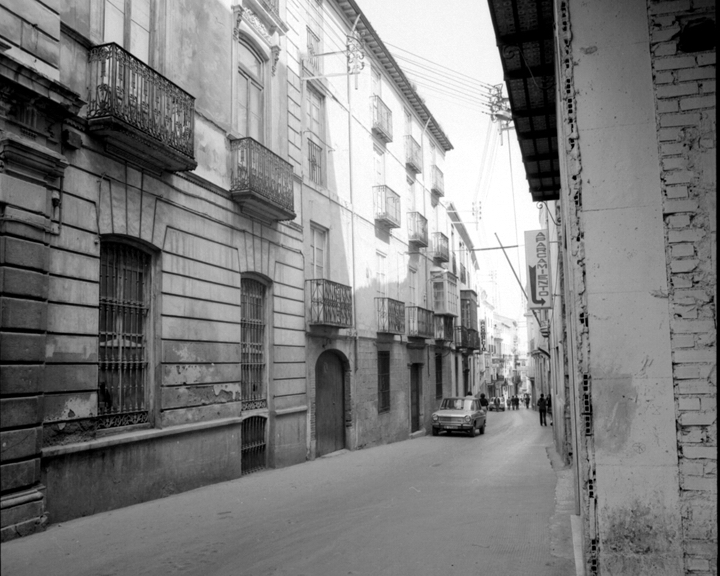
122 341
330 303
252 345
253 447
315 163
383 381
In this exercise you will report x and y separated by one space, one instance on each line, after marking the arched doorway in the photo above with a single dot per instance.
329 403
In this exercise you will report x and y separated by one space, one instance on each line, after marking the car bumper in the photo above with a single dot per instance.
451 427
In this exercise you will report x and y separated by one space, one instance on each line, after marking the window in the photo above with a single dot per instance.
379 166
438 375
250 93
383 382
314 36
315 109
123 335
408 123
127 23
381 269
376 82
411 193
412 287
252 344
318 242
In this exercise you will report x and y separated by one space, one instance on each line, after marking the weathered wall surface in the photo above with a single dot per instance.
683 57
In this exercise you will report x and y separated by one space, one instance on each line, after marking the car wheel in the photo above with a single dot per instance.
482 428
435 432
472 431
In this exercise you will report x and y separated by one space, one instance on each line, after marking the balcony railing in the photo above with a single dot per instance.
420 322
413 154
330 304
261 181
438 182
417 229
140 113
390 316
382 120
444 328
441 247
463 274
387 206
468 338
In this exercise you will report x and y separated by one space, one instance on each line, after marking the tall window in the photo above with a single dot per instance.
123 339
412 287
411 194
381 266
383 381
252 344
408 122
318 242
127 23
376 82
379 166
438 375
250 93
315 110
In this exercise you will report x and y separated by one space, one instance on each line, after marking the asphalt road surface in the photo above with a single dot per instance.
445 505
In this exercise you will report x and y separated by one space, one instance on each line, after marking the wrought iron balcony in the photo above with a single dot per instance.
417 229
441 247
468 338
438 182
330 304
261 181
390 316
382 120
420 322
387 206
444 328
463 274
413 154
142 116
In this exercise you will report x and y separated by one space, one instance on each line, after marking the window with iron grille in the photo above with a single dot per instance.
438 375
383 381
253 445
123 341
252 344
315 169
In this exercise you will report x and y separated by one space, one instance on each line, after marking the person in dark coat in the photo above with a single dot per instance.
484 401
542 408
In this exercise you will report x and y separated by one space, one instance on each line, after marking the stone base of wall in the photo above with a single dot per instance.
22 514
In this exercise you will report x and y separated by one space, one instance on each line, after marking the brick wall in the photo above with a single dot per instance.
685 106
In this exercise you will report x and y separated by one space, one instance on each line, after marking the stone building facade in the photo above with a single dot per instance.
615 109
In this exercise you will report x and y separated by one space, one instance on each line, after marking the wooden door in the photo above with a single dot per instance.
415 397
329 404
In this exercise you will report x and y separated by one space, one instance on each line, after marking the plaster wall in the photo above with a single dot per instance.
629 353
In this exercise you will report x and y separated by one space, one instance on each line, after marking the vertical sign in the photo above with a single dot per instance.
538 269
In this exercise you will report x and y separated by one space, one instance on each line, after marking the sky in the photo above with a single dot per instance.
448 49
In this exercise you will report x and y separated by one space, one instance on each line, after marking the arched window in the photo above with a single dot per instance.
250 112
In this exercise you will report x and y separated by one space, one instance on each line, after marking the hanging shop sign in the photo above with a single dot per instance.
537 258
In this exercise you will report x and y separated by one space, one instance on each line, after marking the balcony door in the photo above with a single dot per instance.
329 404
127 23
415 396
249 101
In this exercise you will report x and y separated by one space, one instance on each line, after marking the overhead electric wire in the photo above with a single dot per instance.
458 81
459 96
446 83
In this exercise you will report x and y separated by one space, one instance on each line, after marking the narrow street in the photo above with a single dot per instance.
428 506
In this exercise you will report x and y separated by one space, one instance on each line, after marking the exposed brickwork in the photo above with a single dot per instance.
685 107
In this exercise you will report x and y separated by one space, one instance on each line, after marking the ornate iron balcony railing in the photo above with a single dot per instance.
390 316
444 328
438 181
261 180
417 229
441 247
143 112
420 322
413 154
382 119
468 338
387 206
330 303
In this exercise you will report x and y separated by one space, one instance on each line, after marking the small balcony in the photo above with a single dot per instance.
142 116
420 322
261 181
417 230
444 328
441 247
438 182
382 120
330 304
390 316
387 206
467 338
413 155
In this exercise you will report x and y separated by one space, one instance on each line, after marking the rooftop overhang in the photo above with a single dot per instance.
524 35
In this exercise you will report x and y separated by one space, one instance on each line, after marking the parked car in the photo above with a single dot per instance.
459 414
500 406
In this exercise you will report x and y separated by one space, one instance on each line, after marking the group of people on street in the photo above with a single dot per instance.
544 405
514 403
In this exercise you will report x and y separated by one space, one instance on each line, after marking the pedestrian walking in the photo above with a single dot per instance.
527 402
542 408
484 401
515 402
